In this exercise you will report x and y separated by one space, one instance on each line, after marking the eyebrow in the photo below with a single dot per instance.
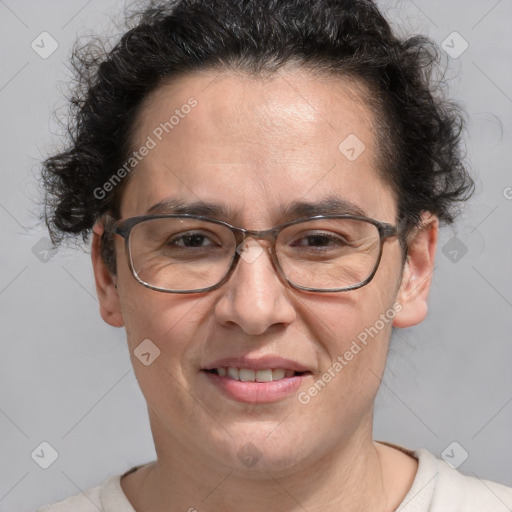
330 205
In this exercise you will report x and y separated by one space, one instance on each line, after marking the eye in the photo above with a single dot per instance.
191 239
321 240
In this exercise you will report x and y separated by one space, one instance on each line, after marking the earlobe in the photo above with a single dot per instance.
106 286
417 273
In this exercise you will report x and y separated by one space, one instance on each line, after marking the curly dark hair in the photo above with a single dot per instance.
419 130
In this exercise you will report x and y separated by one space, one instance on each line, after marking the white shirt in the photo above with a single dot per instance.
437 487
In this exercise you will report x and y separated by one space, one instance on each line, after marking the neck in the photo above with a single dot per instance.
349 478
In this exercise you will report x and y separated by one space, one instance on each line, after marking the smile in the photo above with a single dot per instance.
255 386
249 375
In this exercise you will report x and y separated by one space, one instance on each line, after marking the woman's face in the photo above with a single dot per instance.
256 146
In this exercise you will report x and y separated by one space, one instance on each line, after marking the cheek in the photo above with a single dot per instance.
160 329
170 328
358 333
353 334
148 314
168 321
353 363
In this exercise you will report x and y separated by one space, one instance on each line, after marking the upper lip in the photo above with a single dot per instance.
259 363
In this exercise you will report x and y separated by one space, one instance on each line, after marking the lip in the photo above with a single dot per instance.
259 363
256 392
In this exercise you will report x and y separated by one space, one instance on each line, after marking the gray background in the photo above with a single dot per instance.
66 377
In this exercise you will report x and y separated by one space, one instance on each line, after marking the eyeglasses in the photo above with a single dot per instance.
193 254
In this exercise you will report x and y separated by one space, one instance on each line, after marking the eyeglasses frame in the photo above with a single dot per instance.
124 227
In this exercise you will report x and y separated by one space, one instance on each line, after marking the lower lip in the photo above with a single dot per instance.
256 392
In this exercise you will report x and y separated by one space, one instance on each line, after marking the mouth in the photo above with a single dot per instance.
250 375
255 385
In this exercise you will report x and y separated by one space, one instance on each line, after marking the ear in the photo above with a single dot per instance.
417 273
106 288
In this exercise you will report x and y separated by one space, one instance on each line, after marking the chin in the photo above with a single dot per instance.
256 451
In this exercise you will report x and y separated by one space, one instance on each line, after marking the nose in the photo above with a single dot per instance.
254 298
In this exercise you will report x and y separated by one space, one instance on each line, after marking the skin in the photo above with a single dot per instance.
267 142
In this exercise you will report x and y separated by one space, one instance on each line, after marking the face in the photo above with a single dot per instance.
256 146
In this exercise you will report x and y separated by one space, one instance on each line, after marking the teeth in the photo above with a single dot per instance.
264 376
279 374
248 375
233 373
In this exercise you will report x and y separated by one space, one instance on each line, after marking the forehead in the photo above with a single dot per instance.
257 144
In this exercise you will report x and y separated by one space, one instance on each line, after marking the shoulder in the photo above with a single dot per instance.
438 487
107 497
87 501
468 493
